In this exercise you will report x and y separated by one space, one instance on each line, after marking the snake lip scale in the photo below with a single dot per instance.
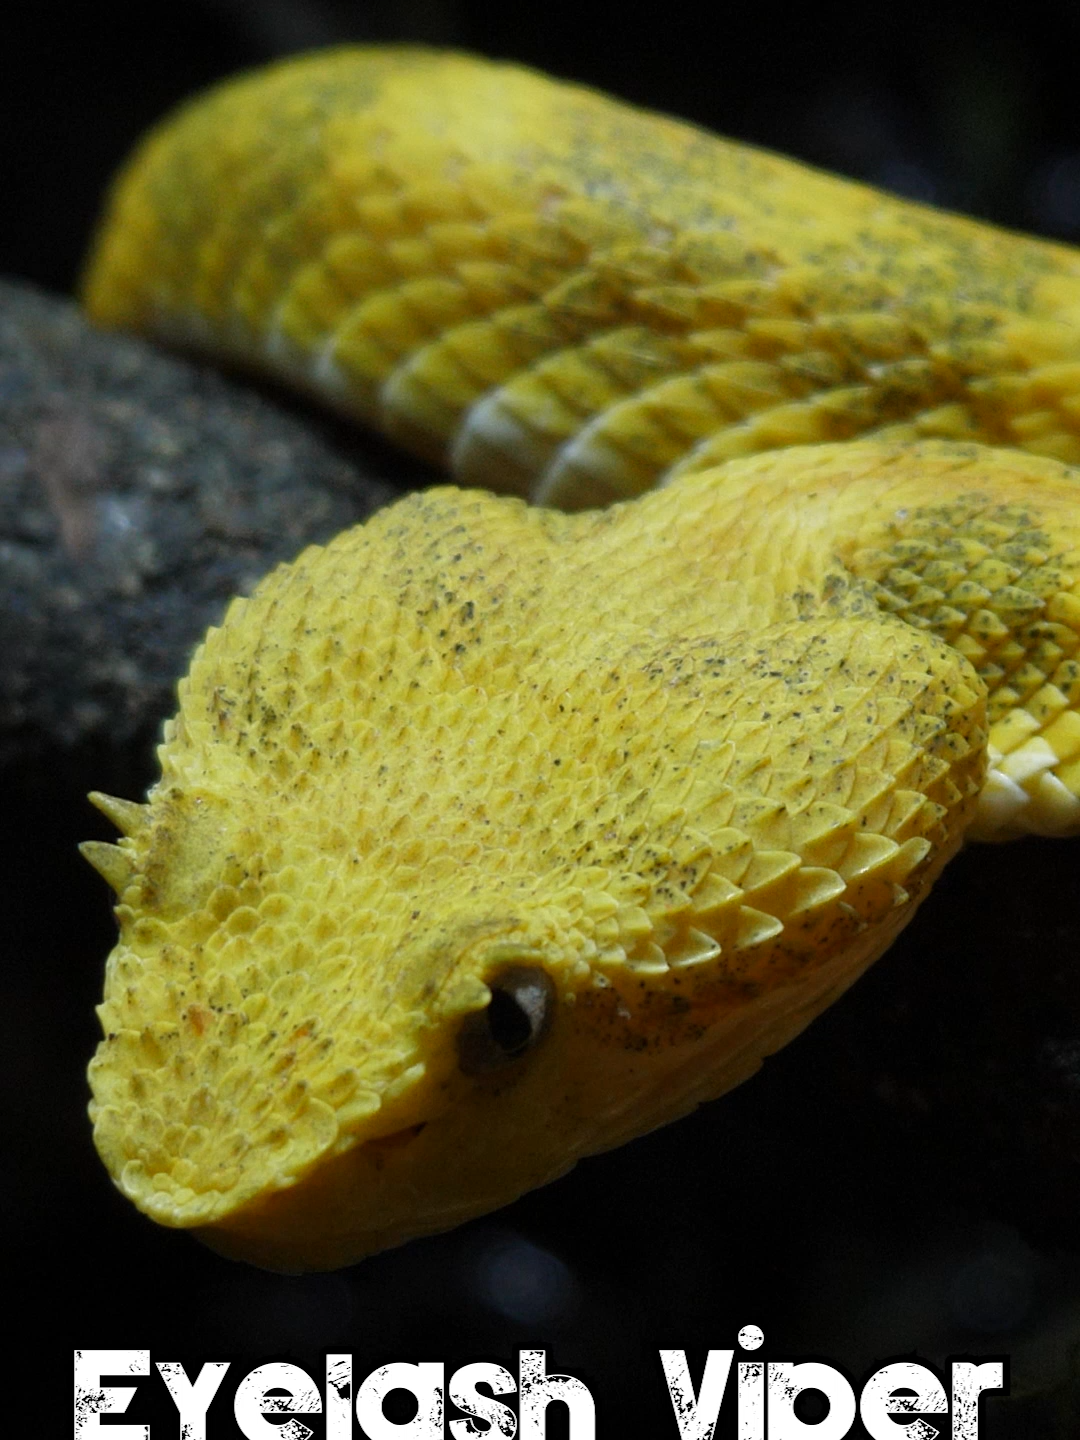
491 835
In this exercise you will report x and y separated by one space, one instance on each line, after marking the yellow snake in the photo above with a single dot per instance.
490 836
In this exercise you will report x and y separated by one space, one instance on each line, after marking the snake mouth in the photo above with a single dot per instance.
386 1146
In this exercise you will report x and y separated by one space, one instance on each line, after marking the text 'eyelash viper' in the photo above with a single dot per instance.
489 836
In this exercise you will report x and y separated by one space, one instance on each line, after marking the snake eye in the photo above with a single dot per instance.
515 1019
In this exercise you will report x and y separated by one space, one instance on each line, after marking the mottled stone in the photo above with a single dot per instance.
138 492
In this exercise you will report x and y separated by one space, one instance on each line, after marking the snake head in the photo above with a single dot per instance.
445 885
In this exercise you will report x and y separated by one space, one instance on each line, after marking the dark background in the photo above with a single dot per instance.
906 1176
946 102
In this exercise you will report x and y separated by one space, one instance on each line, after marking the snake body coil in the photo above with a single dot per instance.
488 837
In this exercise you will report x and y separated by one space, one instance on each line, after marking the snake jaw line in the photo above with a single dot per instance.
488 837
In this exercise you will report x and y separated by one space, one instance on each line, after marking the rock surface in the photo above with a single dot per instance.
138 492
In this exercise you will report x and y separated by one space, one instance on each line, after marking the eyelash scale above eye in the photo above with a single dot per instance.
515 1019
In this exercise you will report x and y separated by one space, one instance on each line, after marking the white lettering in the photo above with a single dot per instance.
339 1397
968 1382
538 1390
252 1403
787 1381
424 1381
879 1402
696 1414
93 1399
192 1401
751 1400
501 1420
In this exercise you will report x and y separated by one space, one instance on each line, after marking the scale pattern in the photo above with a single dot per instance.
560 295
690 761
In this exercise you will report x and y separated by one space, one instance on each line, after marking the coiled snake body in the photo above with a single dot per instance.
490 836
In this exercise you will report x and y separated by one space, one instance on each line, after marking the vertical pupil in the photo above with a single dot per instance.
517 1016
510 1026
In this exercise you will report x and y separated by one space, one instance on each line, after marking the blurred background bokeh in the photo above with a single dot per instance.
906 1176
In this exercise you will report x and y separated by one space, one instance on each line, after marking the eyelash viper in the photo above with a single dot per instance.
491 836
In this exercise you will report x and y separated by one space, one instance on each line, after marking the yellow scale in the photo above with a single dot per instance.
489 836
